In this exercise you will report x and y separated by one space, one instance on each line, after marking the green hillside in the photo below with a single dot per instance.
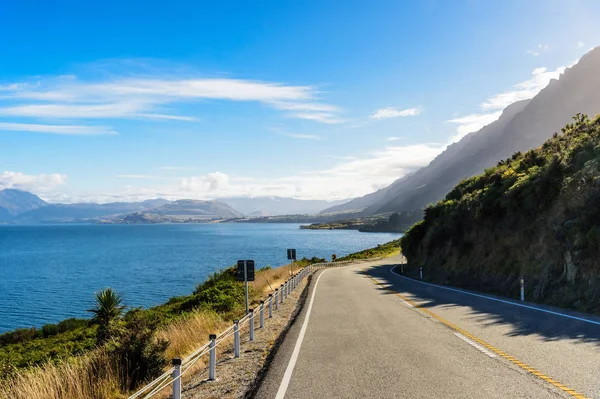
535 215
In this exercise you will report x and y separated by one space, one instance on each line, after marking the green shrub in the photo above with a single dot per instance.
140 356
523 217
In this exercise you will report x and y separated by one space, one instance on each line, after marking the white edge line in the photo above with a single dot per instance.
497 300
285 382
475 345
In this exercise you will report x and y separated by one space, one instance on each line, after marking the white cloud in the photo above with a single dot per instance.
323 117
538 50
472 123
495 104
393 138
309 106
132 97
38 184
303 136
391 112
56 129
346 179
350 177
523 90
580 44
205 184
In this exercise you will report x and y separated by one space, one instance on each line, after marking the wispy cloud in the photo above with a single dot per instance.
154 97
541 48
393 138
303 136
494 105
349 177
580 44
472 123
41 183
73 130
323 117
391 112
523 90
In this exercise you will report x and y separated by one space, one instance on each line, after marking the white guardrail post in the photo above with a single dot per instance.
261 322
275 298
212 362
236 338
522 289
176 378
251 324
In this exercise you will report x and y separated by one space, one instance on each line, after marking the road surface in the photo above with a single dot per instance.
365 332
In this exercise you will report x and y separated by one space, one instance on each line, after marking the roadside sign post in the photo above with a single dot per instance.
291 255
245 273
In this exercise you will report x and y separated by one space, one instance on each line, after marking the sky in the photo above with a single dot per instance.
125 101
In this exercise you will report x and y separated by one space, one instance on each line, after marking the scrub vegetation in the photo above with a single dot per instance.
119 349
384 250
536 215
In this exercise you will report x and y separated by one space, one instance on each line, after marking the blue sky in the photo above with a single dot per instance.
321 100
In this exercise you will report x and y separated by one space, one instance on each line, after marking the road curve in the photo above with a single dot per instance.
363 340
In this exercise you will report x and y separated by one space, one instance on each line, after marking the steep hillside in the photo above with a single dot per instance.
14 202
359 205
522 126
535 215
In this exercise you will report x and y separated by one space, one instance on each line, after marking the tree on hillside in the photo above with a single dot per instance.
108 308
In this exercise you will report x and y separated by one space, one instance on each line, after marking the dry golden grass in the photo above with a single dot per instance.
267 280
190 332
93 375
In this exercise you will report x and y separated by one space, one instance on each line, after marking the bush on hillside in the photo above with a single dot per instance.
140 356
535 214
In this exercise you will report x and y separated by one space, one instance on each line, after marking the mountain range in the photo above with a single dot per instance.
274 206
523 125
22 207
15 202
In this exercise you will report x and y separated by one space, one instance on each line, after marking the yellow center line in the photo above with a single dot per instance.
506 356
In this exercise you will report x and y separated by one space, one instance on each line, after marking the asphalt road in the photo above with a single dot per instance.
374 334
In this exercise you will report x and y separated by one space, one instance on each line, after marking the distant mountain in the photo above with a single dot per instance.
522 126
181 211
275 206
61 213
14 202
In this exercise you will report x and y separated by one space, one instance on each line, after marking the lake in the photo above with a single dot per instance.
50 272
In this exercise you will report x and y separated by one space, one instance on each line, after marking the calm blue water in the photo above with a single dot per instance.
50 272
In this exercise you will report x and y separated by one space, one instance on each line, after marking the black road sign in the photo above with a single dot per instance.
291 253
249 266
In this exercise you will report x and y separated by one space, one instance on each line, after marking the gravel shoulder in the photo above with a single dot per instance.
239 378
